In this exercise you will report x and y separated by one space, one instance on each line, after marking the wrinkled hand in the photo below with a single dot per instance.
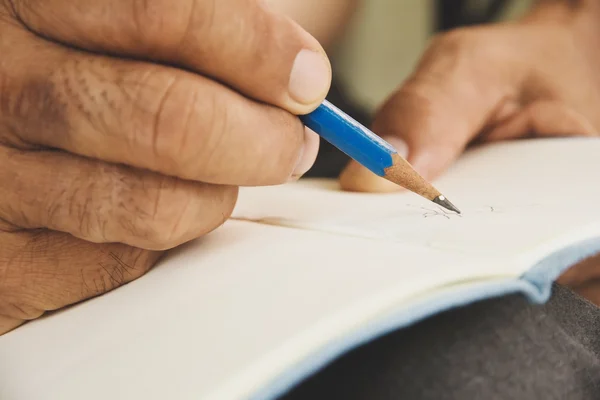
126 127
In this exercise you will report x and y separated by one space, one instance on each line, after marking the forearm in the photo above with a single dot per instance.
324 19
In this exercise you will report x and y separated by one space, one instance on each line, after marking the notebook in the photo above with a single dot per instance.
305 272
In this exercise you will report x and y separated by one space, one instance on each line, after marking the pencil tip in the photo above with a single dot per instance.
444 202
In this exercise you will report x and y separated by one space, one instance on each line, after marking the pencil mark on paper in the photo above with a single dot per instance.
504 209
440 212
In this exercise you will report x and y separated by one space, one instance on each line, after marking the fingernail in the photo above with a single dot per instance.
398 144
308 156
310 78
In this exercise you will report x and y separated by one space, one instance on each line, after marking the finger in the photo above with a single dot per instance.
438 110
309 154
148 116
242 43
585 271
590 291
45 271
423 118
543 118
106 203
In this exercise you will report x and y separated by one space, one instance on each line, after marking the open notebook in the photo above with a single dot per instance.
304 272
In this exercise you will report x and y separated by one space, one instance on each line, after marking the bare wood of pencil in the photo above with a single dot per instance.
371 151
403 174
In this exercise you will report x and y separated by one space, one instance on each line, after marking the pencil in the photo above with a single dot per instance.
371 151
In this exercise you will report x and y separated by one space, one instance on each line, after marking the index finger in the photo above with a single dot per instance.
260 53
449 99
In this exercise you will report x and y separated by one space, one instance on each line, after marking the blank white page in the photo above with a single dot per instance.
519 198
223 316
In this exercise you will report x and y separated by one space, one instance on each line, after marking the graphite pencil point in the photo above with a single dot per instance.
444 202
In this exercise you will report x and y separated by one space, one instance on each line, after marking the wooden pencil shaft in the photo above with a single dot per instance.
403 174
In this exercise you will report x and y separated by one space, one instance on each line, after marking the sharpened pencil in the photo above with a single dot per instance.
371 151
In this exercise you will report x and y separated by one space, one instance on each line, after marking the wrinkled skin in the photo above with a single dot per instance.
126 128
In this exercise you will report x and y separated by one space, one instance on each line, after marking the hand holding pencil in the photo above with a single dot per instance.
126 129
491 83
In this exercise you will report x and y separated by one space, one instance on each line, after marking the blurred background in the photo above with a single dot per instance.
381 47
386 38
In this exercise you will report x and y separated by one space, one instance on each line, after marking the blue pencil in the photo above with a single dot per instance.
371 151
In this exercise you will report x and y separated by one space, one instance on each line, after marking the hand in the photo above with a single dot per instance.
536 77
584 278
126 127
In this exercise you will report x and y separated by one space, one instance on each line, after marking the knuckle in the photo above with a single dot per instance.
80 203
197 133
265 34
143 209
223 199
216 128
452 50
155 211
417 91
179 112
469 43
206 125
180 217
202 20
163 133
122 264
201 213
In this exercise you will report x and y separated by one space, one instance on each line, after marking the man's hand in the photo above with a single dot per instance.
534 77
126 127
